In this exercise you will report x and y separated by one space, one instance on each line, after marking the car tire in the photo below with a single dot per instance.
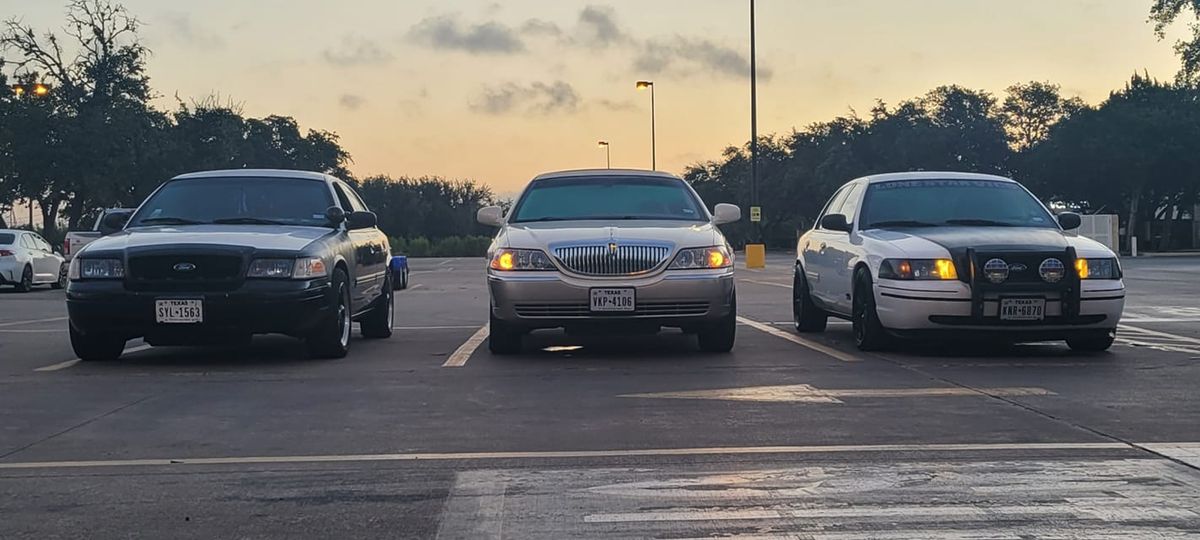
805 314
404 280
869 334
503 339
1098 341
332 337
377 324
26 282
62 278
96 348
720 336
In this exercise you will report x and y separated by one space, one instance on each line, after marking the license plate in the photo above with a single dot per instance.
613 300
179 311
1022 309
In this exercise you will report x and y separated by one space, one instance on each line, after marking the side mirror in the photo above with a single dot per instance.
361 220
1069 221
113 222
726 213
335 215
492 216
835 222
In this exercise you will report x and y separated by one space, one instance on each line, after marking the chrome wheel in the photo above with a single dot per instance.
344 318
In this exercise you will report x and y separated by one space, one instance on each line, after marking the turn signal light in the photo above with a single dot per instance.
1081 266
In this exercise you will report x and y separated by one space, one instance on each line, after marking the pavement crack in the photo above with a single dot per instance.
76 426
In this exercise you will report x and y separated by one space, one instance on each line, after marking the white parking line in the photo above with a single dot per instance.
69 363
828 351
1159 334
415 287
464 327
19 323
464 352
772 284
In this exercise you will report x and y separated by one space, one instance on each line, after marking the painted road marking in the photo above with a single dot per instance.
593 454
826 350
460 327
19 323
25 331
1185 339
772 284
463 353
475 507
64 365
804 393
415 287
1186 452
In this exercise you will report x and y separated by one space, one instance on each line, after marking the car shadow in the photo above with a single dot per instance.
975 350
263 351
560 346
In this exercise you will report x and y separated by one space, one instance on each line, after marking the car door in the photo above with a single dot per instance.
817 264
844 251
377 252
362 283
38 258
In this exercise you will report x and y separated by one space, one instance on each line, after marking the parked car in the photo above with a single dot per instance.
954 255
26 259
399 269
214 257
109 221
626 250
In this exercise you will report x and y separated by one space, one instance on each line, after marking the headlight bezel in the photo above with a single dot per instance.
271 268
97 269
1098 268
521 260
702 258
939 269
309 268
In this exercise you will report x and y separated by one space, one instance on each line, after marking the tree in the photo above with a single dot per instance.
1165 12
1031 109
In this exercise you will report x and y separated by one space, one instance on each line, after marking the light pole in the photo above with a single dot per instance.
607 153
755 251
642 85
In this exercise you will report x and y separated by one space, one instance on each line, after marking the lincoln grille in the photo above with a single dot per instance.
603 260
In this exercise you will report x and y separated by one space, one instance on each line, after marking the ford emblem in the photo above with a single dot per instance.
184 267
1017 267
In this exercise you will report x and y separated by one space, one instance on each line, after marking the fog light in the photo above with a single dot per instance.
1052 270
996 270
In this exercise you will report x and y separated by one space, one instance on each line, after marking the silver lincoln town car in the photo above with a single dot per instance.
610 249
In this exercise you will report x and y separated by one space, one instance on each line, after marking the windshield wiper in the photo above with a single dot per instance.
169 220
979 223
899 223
247 221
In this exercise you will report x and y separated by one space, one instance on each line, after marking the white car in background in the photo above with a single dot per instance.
26 259
954 255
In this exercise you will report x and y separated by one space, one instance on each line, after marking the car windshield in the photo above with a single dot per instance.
7 239
242 201
986 203
607 198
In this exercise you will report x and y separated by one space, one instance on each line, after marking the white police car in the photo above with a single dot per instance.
954 255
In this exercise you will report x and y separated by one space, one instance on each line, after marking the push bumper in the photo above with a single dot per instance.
684 299
258 307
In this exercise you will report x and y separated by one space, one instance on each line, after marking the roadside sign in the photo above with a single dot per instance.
755 214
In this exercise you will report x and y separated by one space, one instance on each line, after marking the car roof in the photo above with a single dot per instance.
256 173
931 175
592 173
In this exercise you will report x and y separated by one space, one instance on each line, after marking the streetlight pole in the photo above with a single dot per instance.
607 153
755 250
642 85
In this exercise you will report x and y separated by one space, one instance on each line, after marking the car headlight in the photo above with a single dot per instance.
918 269
1098 268
701 258
271 268
96 269
309 267
509 260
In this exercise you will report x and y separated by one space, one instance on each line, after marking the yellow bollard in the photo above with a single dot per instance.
756 256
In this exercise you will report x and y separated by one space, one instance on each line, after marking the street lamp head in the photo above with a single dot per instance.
642 85
602 144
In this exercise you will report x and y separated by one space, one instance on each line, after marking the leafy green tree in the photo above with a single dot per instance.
1031 109
1165 12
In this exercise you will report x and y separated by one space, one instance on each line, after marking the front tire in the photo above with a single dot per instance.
332 337
503 339
96 348
869 334
805 314
1092 342
378 323
720 336
26 283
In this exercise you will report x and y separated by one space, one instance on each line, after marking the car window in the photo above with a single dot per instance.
608 198
343 200
355 200
41 243
7 239
849 206
833 205
27 242
935 202
290 201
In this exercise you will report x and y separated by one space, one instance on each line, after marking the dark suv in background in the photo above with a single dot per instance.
211 258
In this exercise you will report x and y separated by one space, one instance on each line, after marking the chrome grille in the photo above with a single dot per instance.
601 260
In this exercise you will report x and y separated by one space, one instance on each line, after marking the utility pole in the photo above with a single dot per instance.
756 256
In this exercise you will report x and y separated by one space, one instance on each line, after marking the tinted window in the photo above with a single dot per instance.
608 198
952 202
7 239
835 203
849 206
351 196
203 200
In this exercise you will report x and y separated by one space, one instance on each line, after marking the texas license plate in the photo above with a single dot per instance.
613 300
1022 309
179 311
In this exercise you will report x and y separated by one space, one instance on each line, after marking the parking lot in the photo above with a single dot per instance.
427 434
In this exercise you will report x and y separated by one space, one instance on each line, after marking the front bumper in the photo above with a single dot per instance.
684 299
257 307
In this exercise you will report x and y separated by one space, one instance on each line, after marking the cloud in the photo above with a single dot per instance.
537 98
617 106
351 101
598 27
183 29
357 51
447 33
541 27
685 54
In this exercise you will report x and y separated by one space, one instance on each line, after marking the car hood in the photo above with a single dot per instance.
550 235
919 242
256 237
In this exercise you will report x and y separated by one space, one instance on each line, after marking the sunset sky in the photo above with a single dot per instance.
499 91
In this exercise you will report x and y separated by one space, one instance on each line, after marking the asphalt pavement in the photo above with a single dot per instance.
427 435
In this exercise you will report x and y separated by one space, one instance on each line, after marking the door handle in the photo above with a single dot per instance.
823 247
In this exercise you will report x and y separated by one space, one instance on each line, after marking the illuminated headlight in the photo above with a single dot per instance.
271 268
96 269
918 269
1052 270
996 270
1098 268
309 267
702 258
520 259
